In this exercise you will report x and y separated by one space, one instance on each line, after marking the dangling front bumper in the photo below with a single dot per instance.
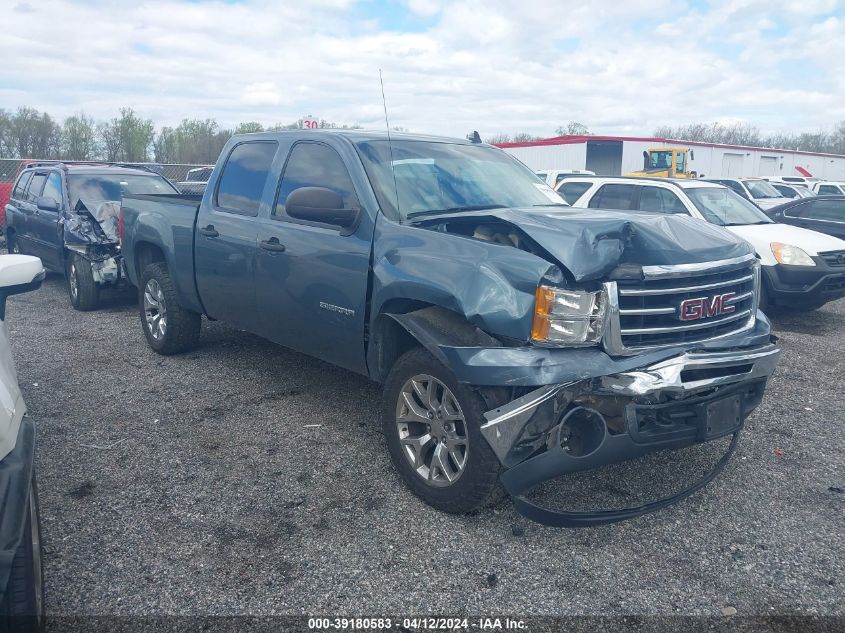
687 399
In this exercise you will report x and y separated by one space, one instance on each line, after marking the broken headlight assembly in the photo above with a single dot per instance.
568 317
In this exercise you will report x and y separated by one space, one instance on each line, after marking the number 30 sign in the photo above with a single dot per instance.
310 124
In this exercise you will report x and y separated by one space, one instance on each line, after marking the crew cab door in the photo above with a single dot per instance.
311 279
44 224
225 235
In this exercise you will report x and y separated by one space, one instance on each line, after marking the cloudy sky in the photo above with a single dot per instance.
449 66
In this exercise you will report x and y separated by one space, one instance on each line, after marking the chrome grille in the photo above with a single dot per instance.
834 258
646 313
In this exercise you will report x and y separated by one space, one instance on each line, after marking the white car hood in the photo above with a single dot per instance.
761 235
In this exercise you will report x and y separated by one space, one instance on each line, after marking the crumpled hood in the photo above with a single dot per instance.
78 228
590 243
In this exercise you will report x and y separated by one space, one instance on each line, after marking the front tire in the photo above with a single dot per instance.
432 425
83 290
168 327
22 605
13 247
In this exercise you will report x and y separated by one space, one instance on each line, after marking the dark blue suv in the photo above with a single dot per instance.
67 214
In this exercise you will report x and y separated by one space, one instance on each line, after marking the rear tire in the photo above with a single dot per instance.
168 327
473 477
83 290
22 605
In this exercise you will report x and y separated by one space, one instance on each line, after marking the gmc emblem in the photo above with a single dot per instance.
706 307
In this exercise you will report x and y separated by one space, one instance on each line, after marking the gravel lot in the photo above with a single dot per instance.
199 484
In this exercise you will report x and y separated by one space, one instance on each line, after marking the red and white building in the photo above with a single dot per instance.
617 155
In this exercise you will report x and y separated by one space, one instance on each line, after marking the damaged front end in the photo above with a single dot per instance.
94 236
581 425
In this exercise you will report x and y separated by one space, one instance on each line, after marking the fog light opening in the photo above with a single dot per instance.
582 431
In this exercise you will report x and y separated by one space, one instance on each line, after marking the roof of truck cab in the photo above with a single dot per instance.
358 136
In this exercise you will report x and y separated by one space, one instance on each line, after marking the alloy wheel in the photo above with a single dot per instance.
432 430
155 310
73 280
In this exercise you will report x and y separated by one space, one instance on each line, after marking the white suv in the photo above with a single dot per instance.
828 188
800 267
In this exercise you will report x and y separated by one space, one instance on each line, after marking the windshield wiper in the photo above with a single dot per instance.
475 207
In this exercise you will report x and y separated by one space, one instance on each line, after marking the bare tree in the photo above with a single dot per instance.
573 128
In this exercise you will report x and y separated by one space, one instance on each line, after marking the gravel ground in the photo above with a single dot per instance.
198 484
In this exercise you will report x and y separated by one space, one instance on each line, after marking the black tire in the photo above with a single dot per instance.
22 605
83 291
478 485
12 244
182 327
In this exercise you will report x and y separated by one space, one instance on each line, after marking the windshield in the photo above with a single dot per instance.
660 160
442 177
720 205
93 189
761 189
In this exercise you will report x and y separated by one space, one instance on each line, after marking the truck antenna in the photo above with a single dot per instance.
389 142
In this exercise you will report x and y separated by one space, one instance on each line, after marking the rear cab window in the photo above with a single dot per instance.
829 190
244 177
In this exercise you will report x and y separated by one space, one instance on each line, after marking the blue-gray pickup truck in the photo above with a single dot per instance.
517 339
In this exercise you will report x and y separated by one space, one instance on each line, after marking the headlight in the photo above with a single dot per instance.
568 317
791 255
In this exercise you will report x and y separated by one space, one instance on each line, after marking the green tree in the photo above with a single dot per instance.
79 138
249 127
32 134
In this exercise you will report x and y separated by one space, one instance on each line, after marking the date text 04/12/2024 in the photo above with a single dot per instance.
417 624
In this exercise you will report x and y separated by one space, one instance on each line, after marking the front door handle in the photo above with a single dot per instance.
209 231
273 245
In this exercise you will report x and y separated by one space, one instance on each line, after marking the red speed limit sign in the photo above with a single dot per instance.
310 124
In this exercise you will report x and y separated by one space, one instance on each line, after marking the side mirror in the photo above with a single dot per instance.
45 203
646 161
318 204
18 273
691 155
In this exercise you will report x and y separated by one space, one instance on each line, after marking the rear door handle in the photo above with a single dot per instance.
273 245
209 231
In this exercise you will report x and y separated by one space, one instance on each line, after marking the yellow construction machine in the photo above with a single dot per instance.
666 162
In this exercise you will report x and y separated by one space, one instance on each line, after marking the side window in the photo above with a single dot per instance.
53 187
244 176
660 200
315 165
571 191
786 192
828 190
35 187
622 197
680 166
19 192
830 210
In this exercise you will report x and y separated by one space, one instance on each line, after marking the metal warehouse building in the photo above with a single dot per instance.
616 155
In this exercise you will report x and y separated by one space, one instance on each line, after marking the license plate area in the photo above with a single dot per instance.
721 417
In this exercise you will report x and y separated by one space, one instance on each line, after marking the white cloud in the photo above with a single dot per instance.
492 66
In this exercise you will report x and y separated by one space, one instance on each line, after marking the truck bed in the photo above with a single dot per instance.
149 219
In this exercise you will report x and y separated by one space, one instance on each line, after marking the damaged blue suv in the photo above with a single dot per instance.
66 214
517 339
